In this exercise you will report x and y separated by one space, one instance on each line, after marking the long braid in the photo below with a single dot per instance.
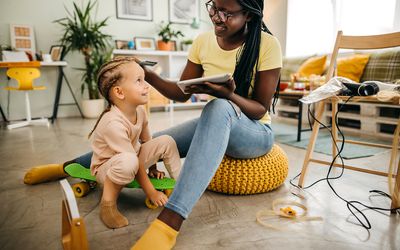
248 55
107 77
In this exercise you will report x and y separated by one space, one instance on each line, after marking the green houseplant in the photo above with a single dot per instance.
83 34
166 34
186 44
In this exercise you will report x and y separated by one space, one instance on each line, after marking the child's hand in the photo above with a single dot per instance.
154 173
158 198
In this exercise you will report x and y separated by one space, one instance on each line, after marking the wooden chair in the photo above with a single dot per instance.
25 76
360 43
73 227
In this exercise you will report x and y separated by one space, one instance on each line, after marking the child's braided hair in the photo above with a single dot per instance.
107 77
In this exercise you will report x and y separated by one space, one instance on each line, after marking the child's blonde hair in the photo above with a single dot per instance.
107 77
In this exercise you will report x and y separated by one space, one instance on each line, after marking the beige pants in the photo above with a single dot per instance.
122 168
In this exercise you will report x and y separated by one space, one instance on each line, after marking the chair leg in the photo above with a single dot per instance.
334 127
395 192
310 149
29 120
28 107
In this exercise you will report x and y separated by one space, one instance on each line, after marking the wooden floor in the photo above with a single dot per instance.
30 216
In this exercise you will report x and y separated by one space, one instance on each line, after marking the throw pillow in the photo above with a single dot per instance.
352 67
290 66
313 66
384 67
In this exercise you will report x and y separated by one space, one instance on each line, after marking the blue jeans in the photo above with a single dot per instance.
204 141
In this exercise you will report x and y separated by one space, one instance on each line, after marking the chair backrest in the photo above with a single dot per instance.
73 227
24 77
389 40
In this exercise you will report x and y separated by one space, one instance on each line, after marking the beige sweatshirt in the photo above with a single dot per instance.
116 134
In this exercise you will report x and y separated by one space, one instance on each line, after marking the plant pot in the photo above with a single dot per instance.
92 108
186 47
165 46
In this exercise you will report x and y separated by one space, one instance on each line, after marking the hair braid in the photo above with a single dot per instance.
248 55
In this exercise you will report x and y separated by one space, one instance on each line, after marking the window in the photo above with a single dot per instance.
312 24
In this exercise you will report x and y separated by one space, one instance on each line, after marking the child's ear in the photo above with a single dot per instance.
118 92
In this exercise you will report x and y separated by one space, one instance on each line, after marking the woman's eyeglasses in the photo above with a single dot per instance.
223 15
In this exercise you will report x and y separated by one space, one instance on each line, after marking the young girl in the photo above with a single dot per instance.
121 141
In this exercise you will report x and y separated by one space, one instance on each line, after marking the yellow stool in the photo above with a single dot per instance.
25 77
251 176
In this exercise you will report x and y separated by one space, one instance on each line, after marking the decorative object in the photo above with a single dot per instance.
251 176
56 52
184 11
84 34
92 108
145 43
186 44
23 38
121 44
167 34
135 9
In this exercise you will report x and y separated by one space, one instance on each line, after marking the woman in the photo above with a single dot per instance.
237 119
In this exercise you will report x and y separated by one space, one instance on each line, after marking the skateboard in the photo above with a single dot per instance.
89 182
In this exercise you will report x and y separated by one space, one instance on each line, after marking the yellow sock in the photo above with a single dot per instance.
44 173
110 215
158 236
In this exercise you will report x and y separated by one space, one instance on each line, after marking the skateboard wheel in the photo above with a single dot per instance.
81 189
150 204
168 192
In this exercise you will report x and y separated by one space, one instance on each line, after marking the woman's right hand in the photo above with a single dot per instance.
158 198
219 90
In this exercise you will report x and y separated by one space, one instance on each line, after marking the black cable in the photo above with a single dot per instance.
352 203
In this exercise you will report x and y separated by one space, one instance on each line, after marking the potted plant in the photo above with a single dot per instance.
84 34
167 34
186 44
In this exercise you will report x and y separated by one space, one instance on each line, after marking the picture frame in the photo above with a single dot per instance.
141 10
56 52
23 38
183 11
145 43
121 44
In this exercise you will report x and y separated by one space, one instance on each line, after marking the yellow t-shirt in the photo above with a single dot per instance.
214 60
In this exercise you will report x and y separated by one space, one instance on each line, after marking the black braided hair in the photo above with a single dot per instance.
248 55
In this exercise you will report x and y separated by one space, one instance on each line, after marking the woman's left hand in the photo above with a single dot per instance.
219 90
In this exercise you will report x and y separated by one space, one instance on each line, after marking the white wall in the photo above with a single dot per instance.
42 13
275 17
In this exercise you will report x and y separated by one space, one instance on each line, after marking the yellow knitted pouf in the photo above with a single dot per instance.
251 176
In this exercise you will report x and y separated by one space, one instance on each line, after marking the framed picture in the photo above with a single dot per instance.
145 43
184 11
56 52
22 38
135 9
121 44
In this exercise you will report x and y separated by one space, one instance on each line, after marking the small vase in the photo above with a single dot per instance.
165 46
92 108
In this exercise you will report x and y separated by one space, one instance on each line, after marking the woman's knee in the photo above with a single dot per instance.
218 107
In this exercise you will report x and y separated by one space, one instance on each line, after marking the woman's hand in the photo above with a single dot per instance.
219 90
158 198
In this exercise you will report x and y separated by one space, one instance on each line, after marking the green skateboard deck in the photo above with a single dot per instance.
78 171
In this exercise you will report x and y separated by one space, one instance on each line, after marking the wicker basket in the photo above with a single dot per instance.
251 176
